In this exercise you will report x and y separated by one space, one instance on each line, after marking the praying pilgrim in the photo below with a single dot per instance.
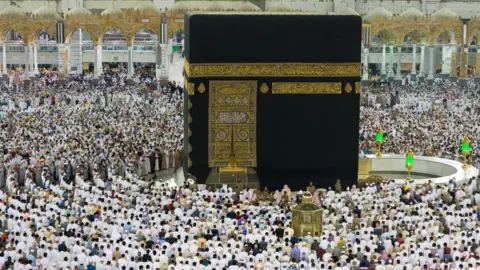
82 184
79 187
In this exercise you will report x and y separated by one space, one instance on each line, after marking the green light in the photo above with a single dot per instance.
466 147
379 137
409 160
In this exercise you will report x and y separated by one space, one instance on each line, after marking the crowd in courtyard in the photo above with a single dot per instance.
78 188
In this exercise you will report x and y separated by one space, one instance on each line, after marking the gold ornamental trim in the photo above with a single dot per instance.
191 89
307 88
273 70
201 88
357 88
348 88
264 88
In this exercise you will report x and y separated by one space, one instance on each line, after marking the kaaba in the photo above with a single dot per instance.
278 92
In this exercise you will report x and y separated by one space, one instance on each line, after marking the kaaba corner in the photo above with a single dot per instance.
254 78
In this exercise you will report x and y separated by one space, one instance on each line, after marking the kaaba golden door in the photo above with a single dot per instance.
232 125
232 166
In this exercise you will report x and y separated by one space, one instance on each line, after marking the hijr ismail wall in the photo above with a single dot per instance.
286 86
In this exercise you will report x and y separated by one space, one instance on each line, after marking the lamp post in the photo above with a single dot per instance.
379 140
409 160
465 151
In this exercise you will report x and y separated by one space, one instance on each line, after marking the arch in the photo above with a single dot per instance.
383 36
136 31
44 36
175 23
473 40
112 35
445 37
178 34
145 35
454 36
414 36
13 36
473 36
87 37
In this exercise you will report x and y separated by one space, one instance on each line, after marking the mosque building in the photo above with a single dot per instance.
443 35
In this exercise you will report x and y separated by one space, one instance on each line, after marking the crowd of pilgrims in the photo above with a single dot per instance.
78 192
113 74
430 120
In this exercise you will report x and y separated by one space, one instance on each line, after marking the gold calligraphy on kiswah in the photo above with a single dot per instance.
272 70
306 88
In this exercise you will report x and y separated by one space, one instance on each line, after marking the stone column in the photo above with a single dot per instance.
463 66
365 65
446 59
422 61
390 68
4 55
477 65
384 61
26 78
60 62
453 66
431 70
158 63
60 67
99 60
398 77
414 62
31 57
130 62
35 59
95 62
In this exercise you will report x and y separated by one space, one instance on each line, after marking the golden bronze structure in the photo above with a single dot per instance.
307 217
465 154
395 28
379 144
372 179
408 165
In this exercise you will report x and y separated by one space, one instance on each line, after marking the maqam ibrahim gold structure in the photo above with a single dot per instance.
307 217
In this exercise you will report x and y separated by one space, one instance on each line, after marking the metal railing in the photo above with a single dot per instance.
108 47
15 49
47 48
144 48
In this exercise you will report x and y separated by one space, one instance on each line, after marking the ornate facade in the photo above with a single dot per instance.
393 42
423 37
